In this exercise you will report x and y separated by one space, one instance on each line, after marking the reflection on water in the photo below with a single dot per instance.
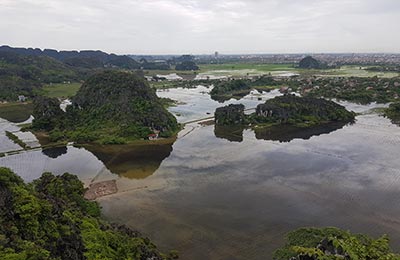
55 152
234 197
132 161
289 133
197 101
230 133
236 200
282 133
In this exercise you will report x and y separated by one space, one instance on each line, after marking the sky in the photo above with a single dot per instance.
203 26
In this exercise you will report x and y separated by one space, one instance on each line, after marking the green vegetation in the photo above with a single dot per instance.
355 89
230 89
310 63
23 75
333 244
230 115
225 90
49 219
15 139
393 112
168 102
384 68
300 111
61 90
111 108
23 72
359 90
187 65
16 112
286 110
262 67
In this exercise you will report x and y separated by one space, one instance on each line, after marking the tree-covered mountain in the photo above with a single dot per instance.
286 110
84 59
238 88
307 111
110 107
187 65
23 74
309 63
49 219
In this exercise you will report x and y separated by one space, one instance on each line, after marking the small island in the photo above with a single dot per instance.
111 107
393 113
287 110
238 88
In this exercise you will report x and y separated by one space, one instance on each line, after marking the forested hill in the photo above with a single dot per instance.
110 107
23 74
49 219
286 110
83 59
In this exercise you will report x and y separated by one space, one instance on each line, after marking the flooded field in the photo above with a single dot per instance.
233 194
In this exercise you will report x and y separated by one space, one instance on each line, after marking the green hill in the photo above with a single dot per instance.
23 75
110 107
309 63
286 110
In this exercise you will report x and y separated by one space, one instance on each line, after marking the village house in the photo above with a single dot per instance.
21 98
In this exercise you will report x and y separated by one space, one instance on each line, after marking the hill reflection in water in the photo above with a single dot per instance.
137 161
55 152
277 133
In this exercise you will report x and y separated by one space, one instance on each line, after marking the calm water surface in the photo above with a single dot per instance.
219 198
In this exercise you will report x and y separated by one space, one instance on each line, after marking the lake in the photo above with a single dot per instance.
232 194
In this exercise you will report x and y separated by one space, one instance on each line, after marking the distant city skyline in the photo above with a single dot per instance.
203 27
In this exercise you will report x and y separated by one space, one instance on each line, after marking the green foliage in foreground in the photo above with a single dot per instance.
333 244
49 219
393 112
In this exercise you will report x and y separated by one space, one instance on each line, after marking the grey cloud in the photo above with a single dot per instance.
203 26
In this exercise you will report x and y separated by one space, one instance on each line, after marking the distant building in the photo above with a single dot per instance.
21 98
153 136
216 55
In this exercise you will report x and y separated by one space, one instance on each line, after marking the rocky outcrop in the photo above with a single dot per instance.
292 109
111 107
309 63
230 115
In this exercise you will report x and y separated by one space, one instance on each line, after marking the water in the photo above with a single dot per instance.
197 103
219 198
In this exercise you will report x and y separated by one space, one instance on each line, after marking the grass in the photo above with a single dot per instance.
61 90
162 84
243 69
247 66
16 112
16 140
226 67
348 71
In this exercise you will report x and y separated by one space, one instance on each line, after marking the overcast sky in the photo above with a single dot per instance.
203 26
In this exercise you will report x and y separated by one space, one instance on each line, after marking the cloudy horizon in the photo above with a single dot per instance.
202 27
